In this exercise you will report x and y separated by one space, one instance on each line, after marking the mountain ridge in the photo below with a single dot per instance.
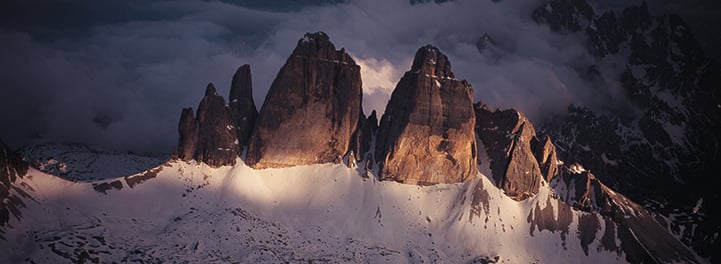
326 188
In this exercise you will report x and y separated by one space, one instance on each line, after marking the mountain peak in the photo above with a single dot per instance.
318 45
316 37
426 133
210 90
430 60
316 94
241 85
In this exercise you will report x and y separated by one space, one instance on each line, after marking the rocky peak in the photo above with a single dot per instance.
547 159
210 91
564 15
242 106
509 140
217 135
364 139
313 109
318 46
658 153
484 43
642 236
431 61
426 134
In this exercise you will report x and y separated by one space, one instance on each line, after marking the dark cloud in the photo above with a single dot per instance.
117 73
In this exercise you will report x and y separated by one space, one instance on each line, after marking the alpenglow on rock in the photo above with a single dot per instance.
313 109
426 134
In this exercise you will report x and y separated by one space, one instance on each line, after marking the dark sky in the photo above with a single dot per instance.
117 73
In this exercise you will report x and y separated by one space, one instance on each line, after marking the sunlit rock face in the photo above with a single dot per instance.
426 134
313 109
211 136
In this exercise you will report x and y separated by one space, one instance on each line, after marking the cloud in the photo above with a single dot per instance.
120 77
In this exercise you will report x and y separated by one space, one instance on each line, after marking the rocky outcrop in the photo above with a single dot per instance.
188 135
364 139
547 159
211 136
241 104
368 131
12 167
426 134
313 109
641 237
518 159
661 146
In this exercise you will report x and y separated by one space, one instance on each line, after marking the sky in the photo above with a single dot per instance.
118 73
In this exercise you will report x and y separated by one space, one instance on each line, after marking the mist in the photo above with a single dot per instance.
120 76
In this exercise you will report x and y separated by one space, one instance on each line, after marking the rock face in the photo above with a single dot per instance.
313 109
242 106
509 139
368 131
426 134
641 236
662 148
212 135
547 160
12 167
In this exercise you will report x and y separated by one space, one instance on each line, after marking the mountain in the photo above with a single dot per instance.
218 132
313 109
426 134
661 148
486 188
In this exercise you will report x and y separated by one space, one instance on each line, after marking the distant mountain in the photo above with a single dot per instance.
662 149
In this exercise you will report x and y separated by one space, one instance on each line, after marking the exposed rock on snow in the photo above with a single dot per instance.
426 134
508 137
12 167
661 147
211 136
641 237
241 104
313 109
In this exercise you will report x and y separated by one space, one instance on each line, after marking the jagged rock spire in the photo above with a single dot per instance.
217 133
508 138
242 105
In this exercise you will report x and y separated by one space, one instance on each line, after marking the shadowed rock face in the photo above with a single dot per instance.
11 197
508 138
426 134
313 109
211 136
188 132
241 104
641 236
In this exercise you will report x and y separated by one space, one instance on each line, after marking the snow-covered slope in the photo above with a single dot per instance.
190 212
80 162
